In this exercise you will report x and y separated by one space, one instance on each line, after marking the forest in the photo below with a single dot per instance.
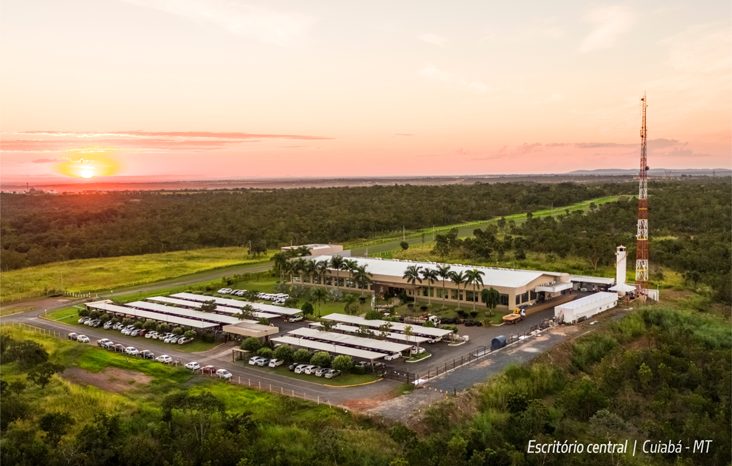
42 228
659 373
690 232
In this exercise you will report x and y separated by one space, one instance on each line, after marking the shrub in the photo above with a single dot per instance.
127 321
149 324
371 315
342 363
307 308
178 330
190 334
162 327
301 355
251 344
265 352
321 358
284 352
84 312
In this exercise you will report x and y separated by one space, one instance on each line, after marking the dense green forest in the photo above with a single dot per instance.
660 373
691 232
41 228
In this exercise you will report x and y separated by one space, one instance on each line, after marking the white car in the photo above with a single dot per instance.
415 351
223 374
301 368
132 351
152 334
310 369
254 360
276 362
393 356
224 291
295 318
103 341
164 358
193 365
107 325
82 339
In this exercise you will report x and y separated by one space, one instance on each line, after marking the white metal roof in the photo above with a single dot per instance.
398 326
622 287
390 335
350 340
595 298
493 276
198 304
554 287
181 311
329 347
115 309
279 310
591 279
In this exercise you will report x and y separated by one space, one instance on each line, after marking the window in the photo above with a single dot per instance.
504 299
525 297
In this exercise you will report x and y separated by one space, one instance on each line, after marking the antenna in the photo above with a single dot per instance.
641 252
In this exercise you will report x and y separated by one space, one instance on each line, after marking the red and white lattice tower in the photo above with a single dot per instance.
641 252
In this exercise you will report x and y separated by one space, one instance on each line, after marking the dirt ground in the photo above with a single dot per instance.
110 379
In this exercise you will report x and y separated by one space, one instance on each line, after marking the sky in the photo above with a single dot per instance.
211 89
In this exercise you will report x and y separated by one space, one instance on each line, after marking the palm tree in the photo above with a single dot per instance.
411 274
458 278
280 263
409 333
319 296
443 271
308 267
361 277
297 266
349 301
320 268
430 276
336 263
349 265
474 277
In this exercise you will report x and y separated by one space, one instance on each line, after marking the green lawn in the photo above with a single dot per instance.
105 274
340 381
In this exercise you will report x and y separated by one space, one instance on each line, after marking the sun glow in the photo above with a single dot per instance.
88 163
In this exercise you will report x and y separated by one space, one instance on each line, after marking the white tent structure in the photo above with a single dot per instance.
584 308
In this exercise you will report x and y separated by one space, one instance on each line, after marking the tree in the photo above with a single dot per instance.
41 374
284 352
178 330
336 264
321 358
246 312
208 306
190 334
443 271
251 344
307 308
265 352
361 277
26 353
320 295
458 278
55 425
350 303
343 363
491 298
302 355
404 245
430 276
412 275
474 277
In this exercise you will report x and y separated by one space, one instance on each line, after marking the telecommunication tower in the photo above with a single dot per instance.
641 253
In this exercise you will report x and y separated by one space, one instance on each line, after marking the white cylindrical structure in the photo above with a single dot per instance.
620 268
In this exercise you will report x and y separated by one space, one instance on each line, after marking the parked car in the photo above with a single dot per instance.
134 332
300 368
208 370
330 373
253 360
164 358
261 362
309 370
393 356
147 354
118 326
103 341
224 291
83 320
296 318
72 336
109 344
292 366
127 330
193 365
107 325
415 350
276 362
320 372
94 323
119 348
223 374
152 334
184 340
171 339
240 293
82 339
132 351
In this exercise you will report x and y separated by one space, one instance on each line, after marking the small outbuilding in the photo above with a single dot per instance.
584 308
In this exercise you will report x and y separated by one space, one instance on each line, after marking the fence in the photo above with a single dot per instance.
474 355
34 329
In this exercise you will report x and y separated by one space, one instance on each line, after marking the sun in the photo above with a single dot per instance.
88 163
86 169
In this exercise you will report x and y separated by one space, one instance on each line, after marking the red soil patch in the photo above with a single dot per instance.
110 379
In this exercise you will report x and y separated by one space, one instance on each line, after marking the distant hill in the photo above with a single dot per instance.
655 172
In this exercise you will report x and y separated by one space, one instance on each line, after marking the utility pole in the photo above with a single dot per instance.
641 252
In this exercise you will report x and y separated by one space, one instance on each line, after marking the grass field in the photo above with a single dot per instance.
342 380
105 274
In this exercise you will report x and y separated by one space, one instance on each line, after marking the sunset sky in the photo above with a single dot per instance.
184 89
